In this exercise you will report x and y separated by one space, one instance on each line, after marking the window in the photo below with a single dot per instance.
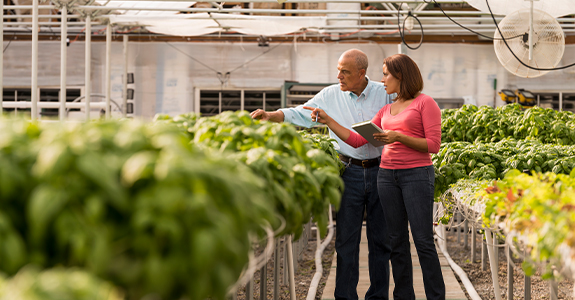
45 95
213 102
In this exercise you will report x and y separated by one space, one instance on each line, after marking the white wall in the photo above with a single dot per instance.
166 74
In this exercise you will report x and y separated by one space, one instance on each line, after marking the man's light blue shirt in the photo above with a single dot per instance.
346 108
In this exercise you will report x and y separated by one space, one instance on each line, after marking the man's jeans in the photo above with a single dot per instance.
408 196
361 193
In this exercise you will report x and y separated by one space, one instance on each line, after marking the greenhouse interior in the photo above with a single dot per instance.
182 150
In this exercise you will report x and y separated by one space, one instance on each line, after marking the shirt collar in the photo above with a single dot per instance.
365 91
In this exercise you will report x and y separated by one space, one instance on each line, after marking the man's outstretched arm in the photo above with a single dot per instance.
274 116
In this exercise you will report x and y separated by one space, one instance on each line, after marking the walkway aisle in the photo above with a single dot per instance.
454 291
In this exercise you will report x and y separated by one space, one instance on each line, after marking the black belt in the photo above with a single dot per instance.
366 163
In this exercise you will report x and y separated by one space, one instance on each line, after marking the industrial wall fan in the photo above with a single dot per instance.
541 43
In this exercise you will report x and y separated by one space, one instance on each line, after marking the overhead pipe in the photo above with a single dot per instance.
433 26
47 30
280 11
41 16
314 34
340 18
234 17
28 7
51 105
45 23
313 1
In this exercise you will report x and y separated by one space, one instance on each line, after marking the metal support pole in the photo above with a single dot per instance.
264 281
277 270
291 268
465 234
473 242
63 62
88 61
527 282
553 289
125 78
496 250
285 256
510 266
250 289
483 255
494 267
444 236
458 228
35 96
295 254
108 68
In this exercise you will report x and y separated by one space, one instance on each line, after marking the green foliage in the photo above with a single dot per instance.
134 204
462 160
539 208
325 143
486 124
56 284
302 173
168 208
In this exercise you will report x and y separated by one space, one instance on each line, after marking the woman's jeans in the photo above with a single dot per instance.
407 196
361 194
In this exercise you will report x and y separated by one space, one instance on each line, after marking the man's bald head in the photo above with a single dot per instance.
358 56
351 69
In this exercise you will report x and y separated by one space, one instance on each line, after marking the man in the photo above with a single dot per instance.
353 100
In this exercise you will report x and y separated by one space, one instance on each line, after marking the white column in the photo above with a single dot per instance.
108 68
34 108
88 62
63 62
242 100
125 79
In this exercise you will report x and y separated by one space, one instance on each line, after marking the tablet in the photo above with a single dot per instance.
367 129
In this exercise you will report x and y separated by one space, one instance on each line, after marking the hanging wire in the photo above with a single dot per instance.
402 28
519 60
249 61
9 42
223 77
194 59
469 29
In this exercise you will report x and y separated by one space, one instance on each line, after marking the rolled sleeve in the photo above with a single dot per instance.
298 116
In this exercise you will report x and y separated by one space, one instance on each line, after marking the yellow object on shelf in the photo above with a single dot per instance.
526 98
508 96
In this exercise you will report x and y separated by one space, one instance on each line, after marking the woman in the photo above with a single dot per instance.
412 130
